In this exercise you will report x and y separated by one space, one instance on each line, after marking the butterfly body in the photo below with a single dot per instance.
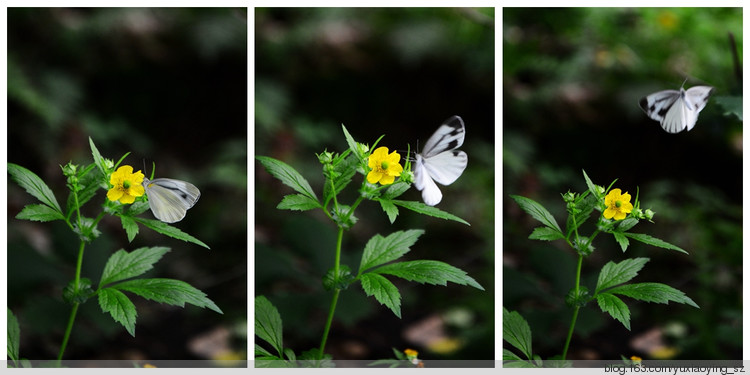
170 199
676 110
440 161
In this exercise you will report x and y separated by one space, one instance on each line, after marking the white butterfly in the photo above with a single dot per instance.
440 161
170 199
676 110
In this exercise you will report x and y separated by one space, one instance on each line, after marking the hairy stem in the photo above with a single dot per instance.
577 307
74 310
336 291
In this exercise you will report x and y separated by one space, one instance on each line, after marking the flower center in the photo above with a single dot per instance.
126 184
384 165
618 204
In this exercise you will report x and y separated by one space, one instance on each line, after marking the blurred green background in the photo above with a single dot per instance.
398 72
572 79
170 86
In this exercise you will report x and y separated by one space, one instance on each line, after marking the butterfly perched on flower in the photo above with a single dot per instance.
440 161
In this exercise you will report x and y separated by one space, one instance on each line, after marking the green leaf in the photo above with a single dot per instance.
383 290
289 353
123 265
14 337
510 356
622 240
79 293
626 224
545 234
90 183
590 185
261 351
119 307
170 231
33 185
653 292
288 176
516 332
169 291
732 105
615 307
537 211
268 324
390 209
617 273
585 206
395 190
130 226
424 209
137 208
428 272
298 202
39 212
341 281
98 159
645 238
350 140
343 171
380 250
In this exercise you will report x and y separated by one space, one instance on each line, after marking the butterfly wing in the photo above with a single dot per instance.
678 117
450 135
170 199
440 161
676 110
658 104
431 194
445 168
696 98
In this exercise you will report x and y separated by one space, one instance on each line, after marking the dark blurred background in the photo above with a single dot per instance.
170 86
572 79
398 72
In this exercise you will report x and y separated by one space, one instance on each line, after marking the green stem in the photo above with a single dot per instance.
68 330
74 310
336 291
78 209
327 328
570 332
575 311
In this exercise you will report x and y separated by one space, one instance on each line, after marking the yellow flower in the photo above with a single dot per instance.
411 353
618 205
126 185
384 167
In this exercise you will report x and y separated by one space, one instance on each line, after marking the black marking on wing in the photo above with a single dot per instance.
644 104
456 125
651 109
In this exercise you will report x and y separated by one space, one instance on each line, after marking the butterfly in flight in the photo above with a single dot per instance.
676 110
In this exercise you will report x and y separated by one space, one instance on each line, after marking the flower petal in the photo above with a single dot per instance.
374 176
127 199
114 194
387 180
